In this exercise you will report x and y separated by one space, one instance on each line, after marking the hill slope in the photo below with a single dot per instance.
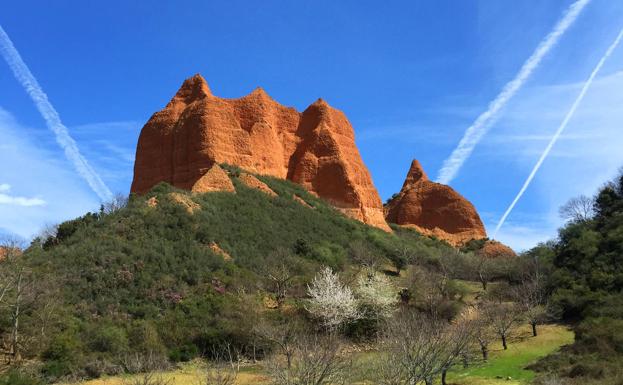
175 272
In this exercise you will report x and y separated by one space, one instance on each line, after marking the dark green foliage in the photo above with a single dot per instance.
586 285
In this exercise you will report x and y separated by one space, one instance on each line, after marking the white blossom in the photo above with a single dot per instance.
376 294
330 300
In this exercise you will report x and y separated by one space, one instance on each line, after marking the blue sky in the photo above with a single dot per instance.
410 75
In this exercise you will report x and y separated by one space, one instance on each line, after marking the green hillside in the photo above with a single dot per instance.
144 279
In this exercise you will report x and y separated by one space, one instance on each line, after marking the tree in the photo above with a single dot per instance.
223 367
284 334
483 269
331 301
29 302
280 270
376 295
483 333
458 335
530 298
361 254
581 208
16 293
420 348
316 360
503 317
116 203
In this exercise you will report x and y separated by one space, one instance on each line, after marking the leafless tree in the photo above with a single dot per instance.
503 317
280 270
116 203
421 348
483 269
317 360
429 289
483 333
459 334
362 255
530 298
16 295
580 208
284 334
24 297
223 367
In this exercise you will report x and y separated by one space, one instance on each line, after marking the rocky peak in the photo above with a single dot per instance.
192 89
416 174
434 209
315 148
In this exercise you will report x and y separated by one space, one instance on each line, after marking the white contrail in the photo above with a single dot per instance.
51 117
482 124
561 128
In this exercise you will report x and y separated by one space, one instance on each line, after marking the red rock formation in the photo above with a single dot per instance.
434 209
495 249
252 182
216 179
315 148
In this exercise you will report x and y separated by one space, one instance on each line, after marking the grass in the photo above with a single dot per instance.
188 374
522 351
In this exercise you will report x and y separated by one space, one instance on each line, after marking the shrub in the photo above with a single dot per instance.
16 377
184 353
109 339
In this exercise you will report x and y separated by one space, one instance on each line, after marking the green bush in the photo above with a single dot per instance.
144 338
108 339
16 377
184 353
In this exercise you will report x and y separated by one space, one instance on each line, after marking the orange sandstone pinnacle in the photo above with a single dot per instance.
434 209
315 148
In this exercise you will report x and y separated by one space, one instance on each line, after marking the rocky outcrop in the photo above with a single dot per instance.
184 201
152 202
301 201
254 183
219 251
494 249
434 209
315 148
215 179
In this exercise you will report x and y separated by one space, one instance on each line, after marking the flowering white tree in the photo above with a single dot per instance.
376 294
331 301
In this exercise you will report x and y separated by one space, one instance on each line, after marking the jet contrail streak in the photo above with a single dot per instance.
482 124
561 128
51 117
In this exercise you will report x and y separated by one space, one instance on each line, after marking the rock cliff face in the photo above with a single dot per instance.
434 209
315 148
